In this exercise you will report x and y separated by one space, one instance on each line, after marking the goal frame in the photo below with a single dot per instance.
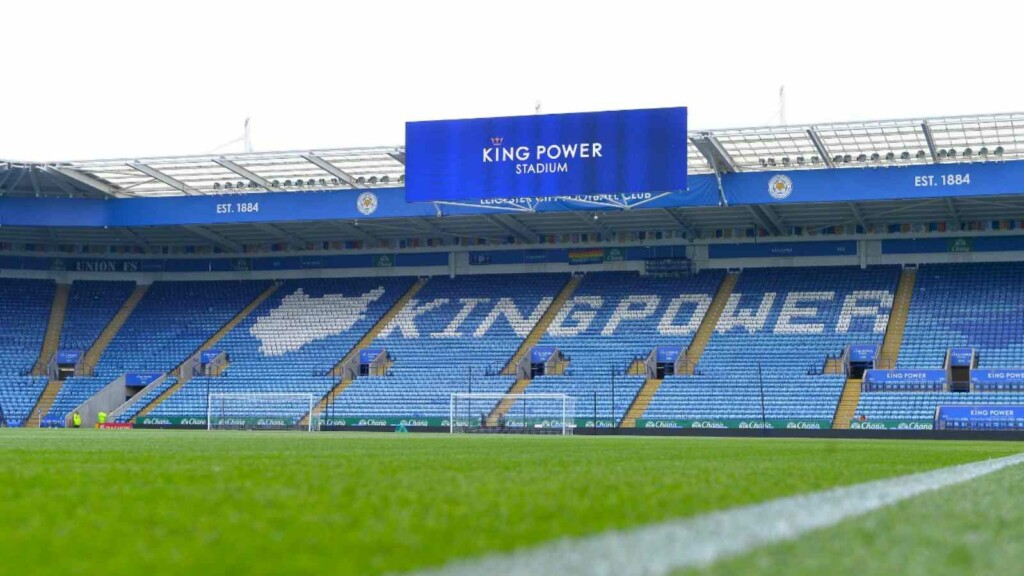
567 412
312 400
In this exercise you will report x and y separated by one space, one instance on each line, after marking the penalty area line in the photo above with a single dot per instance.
700 541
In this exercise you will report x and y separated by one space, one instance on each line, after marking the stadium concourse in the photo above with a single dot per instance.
862 275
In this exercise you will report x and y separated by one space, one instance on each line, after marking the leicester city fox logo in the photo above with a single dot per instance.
366 203
780 187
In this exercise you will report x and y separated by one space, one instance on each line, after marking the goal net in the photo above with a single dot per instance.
257 411
512 413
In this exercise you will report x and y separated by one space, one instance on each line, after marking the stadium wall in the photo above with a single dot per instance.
514 259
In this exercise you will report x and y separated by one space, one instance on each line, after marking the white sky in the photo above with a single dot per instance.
98 79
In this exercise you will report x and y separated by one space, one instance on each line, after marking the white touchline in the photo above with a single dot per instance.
702 540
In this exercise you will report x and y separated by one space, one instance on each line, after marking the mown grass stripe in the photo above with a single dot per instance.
702 540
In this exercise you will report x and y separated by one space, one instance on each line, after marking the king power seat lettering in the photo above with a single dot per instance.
798 313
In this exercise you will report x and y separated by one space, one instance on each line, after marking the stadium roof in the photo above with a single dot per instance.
810 147
528 227
800 147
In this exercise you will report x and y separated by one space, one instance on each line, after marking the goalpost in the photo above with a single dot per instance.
511 413
259 411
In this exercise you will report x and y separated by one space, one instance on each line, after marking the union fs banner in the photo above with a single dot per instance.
551 155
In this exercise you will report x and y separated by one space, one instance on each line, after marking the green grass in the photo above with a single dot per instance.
972 528
161 502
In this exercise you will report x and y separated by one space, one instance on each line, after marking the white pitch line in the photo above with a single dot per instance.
699 541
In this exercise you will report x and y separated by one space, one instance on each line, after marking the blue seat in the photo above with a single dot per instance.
755 348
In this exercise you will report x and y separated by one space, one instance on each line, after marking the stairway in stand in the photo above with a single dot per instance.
693 352
211 341
50 345
92 356
847 407
890 352
641 402
834 366
53 328
527 345
43 405
707 325
363 342
897 319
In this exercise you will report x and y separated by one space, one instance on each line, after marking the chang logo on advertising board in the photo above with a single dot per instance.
543 158
707 424
757 425
371 422
367 203
867 426
661 424
780 186
803 426
156 421
915 426
414 423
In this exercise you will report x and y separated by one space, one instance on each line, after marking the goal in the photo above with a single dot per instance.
256 411
512 413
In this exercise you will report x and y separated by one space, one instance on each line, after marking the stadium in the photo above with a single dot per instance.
848 281
804 278
532 288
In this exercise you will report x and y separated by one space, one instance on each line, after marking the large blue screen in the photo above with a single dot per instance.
582 154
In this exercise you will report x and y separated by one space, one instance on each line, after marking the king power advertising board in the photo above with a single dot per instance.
580 154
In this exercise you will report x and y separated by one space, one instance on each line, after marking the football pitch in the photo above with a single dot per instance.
165 502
